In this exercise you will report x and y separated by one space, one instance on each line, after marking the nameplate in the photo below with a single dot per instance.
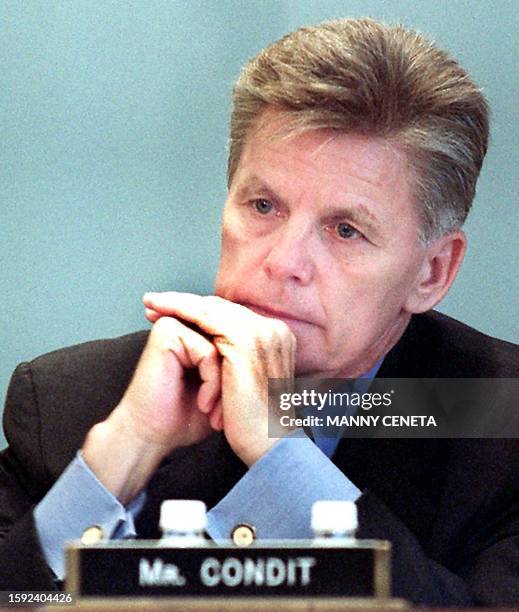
146 569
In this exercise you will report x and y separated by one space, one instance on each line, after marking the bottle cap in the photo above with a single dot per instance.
334 517
182 515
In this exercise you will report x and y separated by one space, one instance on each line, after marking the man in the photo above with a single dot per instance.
355 150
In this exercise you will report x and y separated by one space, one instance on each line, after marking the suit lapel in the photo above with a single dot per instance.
401 472
404 473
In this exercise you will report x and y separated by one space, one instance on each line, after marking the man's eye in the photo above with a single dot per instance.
262 206
345 230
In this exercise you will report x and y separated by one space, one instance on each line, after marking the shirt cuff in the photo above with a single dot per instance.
276 495
76 501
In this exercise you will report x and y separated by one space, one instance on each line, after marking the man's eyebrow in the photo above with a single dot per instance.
254 185
356 213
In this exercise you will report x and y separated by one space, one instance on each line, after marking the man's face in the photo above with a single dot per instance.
319 230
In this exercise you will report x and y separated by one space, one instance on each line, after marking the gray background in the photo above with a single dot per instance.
113 148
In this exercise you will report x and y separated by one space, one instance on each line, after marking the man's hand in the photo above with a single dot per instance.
175 388
252 348
170 402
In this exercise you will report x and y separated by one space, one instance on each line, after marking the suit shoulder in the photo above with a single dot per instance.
435 344
470 351
78 386
93 355
95 372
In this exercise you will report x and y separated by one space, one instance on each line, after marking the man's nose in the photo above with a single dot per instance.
290 257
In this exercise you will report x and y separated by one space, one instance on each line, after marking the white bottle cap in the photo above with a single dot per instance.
182 515
334 517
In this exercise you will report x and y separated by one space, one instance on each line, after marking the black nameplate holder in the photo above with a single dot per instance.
275 569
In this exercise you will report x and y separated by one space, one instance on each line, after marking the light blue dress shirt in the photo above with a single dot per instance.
294 469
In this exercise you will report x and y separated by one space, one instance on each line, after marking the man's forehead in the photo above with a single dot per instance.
372 158
348 162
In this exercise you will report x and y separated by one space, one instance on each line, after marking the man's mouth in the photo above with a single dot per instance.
285 316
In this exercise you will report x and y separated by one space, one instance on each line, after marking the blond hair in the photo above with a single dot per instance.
358 75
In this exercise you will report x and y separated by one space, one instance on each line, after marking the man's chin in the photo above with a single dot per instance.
317 364
310 365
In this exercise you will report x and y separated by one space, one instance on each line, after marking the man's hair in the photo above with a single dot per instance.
361 76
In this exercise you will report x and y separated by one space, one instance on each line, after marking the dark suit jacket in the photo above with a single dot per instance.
450 507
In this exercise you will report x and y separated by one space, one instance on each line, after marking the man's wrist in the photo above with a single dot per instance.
121 460
251 448
252 453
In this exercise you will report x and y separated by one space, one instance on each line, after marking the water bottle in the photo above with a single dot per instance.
182 523
334 523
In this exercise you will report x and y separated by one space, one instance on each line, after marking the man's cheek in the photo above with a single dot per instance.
236 249
228 258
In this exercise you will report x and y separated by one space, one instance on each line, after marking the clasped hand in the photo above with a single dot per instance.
232 349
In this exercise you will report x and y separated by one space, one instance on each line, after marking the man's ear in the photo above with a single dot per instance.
442 260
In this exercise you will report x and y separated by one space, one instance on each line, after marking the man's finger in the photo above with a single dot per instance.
210 373
216 417
152 315
193 351
212 314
